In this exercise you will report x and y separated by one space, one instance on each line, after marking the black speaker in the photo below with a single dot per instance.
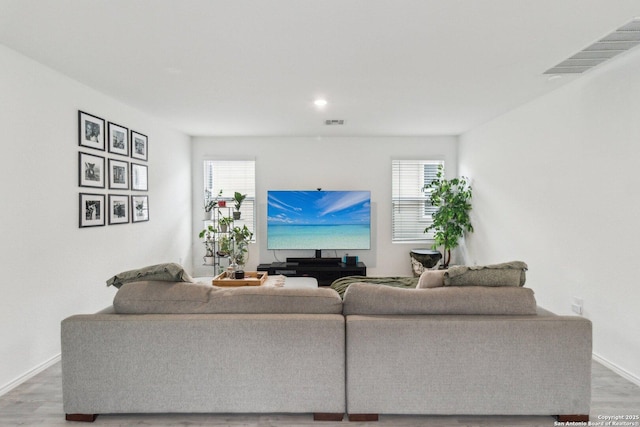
351 260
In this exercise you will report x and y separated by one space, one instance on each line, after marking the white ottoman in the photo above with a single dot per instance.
291 282
275 281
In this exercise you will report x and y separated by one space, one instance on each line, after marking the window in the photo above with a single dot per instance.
231 176
412 209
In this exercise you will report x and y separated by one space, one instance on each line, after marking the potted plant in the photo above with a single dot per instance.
236 245
210 203
238 199
209 236
451 220
225 222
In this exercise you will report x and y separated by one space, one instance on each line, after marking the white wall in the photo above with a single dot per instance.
556 185
332 163
51 268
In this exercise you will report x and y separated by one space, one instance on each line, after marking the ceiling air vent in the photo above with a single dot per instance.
621 40
333 122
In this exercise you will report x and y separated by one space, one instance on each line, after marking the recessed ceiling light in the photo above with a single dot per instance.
320 102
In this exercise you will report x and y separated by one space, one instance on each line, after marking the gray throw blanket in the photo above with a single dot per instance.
505 274
341 284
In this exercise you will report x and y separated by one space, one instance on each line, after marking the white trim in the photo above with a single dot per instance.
617 369
29 374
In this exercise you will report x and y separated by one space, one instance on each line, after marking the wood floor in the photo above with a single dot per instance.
38 402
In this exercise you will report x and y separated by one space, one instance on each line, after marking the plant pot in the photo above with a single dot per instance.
224 228
208 260
236 214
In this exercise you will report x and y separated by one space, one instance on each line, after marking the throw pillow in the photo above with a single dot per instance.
504 274
431 279
169 272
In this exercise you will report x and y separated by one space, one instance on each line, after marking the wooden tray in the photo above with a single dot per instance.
251 278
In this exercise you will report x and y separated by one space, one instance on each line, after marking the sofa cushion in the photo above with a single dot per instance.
431 279
367 299
504 274
168 272
147 297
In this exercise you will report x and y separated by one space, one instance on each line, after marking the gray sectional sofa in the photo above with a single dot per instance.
185 347
404 355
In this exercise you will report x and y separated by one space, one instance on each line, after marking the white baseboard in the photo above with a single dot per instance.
617 369
29 374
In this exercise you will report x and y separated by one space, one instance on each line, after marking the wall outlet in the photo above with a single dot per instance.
577 305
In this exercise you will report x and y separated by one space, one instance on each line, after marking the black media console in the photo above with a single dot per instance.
325 270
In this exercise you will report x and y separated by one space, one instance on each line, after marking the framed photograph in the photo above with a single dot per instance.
92 210
90 131
139 177
90 170
118 209
139 146
118 174
139 208
118 139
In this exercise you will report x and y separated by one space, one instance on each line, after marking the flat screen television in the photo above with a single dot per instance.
318 220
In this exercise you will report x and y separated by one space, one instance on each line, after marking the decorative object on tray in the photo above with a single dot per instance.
251 278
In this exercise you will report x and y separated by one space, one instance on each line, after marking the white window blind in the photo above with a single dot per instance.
412 209
231 176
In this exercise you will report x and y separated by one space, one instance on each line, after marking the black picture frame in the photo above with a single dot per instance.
92 211
139 146
91 171
118 209
90 131
139 208
118 174
139 177
118 140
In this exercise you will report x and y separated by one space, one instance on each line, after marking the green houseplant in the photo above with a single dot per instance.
238 199
225 222
452 198
236 244
209 236
210 202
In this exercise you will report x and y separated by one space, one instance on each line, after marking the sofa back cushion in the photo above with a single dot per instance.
511 273
147 297
368 299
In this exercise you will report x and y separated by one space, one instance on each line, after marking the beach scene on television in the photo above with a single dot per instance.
318 219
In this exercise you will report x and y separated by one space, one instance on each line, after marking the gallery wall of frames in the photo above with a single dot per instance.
113 172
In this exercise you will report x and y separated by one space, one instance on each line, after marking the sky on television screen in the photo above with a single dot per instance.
318 207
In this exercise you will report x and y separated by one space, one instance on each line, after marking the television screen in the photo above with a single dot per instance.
318 220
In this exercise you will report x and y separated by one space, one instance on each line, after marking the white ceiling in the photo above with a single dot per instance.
254 67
